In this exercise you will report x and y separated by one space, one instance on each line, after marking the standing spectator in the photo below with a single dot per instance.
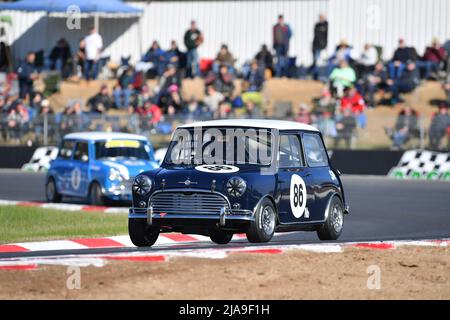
367 60
375 80
406 127
224 57
433 57
440 125
27 74
342 77
94 45
345 126
254 79
265 58
80 58
281 37
320 41
407 82
193 38
101 102
157 57
61 58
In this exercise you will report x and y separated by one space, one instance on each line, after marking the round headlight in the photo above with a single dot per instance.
142 185
114 174
236 186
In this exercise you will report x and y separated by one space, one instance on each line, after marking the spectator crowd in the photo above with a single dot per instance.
355 81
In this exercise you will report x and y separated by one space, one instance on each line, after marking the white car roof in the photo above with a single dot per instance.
98 136
252 123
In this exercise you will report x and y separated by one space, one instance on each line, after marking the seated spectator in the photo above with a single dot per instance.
342 77
36 101
374 81
195 110
353 101
345 126
45 111
224 57
156 56
265 59
343 52
101 102
434 56
175 57
402 55
13 126
224 82
367 61
254 80
252 111
439 127
406 83
303 115
446 87
406 127
325 103
124 89
174 103
150 111
213 98
61 58
169 77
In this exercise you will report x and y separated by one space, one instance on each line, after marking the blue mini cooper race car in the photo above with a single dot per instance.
240 176
98 166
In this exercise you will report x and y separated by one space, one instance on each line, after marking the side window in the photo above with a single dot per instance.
65 152
314 150
290 151
81 152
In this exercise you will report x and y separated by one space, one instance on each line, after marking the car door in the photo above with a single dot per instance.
80 169
296 196
321 175
61 166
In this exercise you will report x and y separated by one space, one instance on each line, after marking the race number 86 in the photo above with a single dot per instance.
297 196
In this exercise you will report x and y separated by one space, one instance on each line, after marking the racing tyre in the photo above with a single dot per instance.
219 236
141 234
95 196
51 193
263 228
332 228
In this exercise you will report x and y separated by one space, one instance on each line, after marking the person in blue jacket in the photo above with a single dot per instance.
27 73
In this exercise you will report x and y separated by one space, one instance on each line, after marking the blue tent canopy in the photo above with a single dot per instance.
89 7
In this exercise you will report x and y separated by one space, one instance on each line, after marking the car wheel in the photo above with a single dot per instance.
51 193
333 226
219 236
95 196
263 228
141 234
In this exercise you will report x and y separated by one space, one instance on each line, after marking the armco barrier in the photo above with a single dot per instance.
15 156
370 162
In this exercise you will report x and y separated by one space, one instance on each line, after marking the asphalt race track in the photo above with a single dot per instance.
380 209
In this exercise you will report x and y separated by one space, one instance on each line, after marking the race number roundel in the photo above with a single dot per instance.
76 178
217 168
297 195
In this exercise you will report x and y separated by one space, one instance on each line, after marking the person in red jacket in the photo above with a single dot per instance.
433 57
354 101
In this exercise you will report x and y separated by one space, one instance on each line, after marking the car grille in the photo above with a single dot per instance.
188 203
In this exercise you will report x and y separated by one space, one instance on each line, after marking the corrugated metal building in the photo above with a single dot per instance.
245 25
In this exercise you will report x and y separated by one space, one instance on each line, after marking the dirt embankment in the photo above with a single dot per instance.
405 273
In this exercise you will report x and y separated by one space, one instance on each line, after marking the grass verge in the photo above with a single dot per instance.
20 224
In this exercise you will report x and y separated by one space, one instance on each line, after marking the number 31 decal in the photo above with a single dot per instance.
297 196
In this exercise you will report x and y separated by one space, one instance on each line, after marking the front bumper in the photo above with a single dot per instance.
226 218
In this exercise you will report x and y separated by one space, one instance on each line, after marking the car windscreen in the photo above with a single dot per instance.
133 149
233 146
